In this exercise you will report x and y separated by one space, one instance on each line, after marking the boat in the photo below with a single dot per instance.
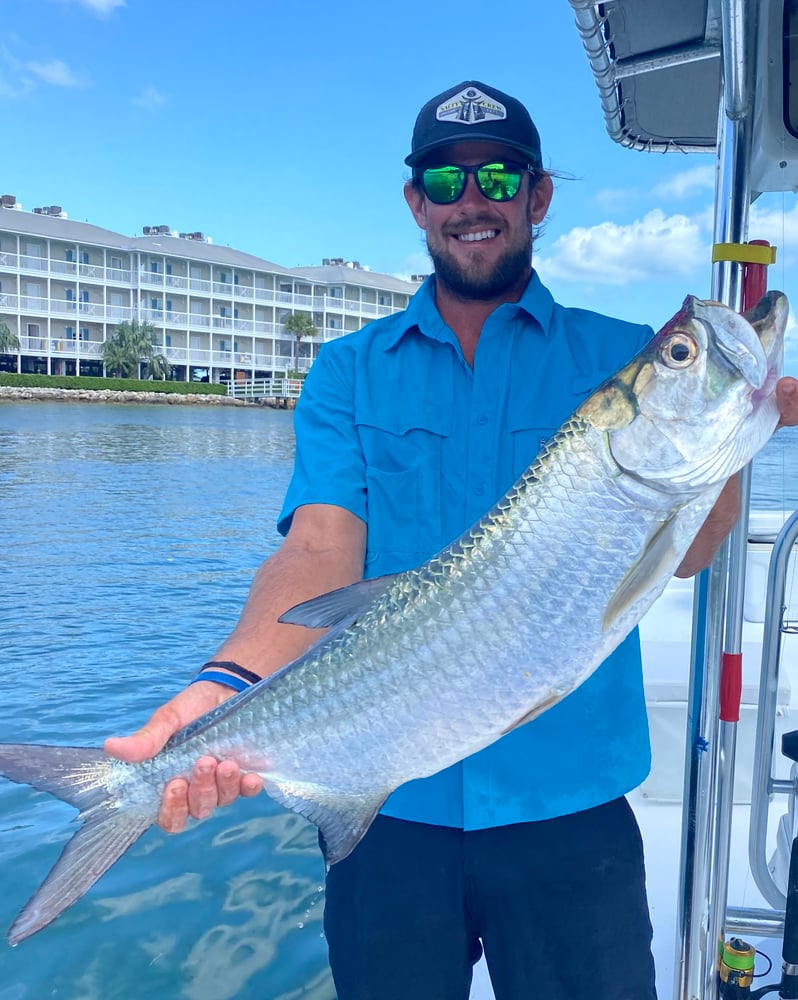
715 76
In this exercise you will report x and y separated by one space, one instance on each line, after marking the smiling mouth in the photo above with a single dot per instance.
484 234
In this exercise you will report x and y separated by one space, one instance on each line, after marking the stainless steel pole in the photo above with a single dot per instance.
709 760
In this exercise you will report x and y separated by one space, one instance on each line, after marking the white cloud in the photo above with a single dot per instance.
687 182
55 72
694 180
414 263
101 7
614 199
149 99
655 246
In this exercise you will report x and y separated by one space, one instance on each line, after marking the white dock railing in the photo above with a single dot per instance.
265 388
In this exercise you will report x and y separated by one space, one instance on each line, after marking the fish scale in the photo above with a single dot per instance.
421 669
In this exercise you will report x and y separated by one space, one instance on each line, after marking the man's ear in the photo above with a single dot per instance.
414 197
540 199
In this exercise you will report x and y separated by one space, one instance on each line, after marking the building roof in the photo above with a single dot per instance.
342 274
60 228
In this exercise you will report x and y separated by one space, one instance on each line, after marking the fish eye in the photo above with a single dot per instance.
678 351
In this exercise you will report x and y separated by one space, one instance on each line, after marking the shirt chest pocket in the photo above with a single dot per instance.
534 422
403 454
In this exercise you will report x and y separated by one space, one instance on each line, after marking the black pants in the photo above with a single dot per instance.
559 907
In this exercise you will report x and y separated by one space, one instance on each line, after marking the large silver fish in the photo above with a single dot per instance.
423 668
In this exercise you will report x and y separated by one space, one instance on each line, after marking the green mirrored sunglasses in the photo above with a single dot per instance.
498 181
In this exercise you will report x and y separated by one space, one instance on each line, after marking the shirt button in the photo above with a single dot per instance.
482 420
479 490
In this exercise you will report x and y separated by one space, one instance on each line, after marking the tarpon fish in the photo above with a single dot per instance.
423 668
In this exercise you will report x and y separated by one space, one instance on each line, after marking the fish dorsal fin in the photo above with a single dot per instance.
657 556
342 819
338 607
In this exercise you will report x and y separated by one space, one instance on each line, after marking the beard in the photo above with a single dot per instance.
478 281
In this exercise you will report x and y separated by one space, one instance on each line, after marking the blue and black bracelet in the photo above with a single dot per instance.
237 677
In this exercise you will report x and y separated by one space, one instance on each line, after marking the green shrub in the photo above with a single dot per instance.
112 384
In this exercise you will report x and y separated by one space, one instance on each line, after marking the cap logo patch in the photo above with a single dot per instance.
470 107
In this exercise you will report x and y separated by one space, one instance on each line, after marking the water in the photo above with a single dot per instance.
131 535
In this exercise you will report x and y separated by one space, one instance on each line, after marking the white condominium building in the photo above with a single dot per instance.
218 313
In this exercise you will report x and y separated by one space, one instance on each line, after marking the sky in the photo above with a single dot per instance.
281 128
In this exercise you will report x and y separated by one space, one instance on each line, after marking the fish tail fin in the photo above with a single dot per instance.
77 776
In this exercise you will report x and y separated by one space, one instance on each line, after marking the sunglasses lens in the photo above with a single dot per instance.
498 182
443 185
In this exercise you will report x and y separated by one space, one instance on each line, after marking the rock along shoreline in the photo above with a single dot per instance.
15 393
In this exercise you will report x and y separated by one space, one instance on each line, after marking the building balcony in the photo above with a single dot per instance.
61 347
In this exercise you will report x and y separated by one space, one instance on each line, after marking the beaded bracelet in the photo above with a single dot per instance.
237 677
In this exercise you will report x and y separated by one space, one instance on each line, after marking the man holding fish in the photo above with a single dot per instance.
406 433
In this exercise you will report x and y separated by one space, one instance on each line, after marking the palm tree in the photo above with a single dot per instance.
9 342
300 325
131 345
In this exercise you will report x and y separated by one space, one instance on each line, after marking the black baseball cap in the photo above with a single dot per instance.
473 111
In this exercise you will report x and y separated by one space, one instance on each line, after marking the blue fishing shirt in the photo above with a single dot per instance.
395 426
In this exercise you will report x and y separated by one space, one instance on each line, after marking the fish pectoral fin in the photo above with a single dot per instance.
657 555
342 819
339 607
533 713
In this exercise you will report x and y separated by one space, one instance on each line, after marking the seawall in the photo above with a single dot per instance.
15 393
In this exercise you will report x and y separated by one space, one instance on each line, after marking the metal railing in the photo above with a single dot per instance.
266 388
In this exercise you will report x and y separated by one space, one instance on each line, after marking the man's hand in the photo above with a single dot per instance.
211 784
787 398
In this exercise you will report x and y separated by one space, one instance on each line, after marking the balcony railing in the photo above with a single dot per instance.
61 346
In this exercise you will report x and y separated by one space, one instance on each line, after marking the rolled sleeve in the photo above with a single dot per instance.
328 464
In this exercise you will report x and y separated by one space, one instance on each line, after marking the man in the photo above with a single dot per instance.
406 433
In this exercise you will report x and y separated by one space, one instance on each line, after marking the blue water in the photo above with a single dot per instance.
130 537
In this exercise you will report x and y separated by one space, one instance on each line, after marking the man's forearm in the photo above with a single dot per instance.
259 641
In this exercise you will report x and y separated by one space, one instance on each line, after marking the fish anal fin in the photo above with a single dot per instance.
338 607
342 819
657 556
533 713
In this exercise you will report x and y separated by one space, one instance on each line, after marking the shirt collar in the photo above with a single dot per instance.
422 313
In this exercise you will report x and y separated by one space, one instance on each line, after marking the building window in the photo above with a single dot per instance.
336 293
155 304
116 263
168 267
84 333
169 340
70 333
69 256
84 295
224 345
154 266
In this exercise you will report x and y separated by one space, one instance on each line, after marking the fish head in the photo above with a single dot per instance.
698 401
